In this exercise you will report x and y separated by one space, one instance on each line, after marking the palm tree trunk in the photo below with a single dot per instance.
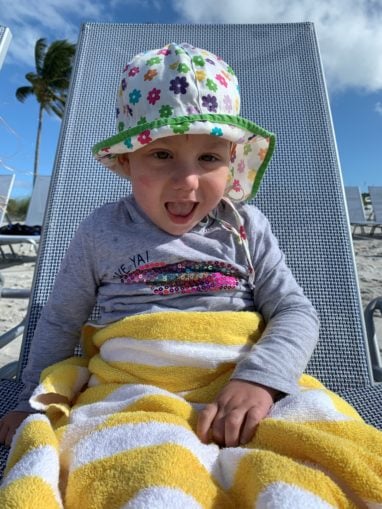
37 149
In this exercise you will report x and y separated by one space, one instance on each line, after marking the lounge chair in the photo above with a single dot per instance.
375 350
6 184
376 200
356 210
283 89
6 181
5 39
35 216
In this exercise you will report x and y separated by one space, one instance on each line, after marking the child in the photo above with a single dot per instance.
184 240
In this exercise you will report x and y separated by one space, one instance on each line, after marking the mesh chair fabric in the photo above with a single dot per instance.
282 85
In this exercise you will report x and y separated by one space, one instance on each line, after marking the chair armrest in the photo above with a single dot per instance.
14 293
375 304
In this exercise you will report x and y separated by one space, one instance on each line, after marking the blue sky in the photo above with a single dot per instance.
350 39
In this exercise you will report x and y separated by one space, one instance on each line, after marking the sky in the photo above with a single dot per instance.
349 34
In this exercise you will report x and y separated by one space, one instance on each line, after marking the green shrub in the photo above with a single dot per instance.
17 208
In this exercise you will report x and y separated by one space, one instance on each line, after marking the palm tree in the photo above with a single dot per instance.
49 84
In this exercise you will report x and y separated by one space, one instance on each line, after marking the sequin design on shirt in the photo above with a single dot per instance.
185 277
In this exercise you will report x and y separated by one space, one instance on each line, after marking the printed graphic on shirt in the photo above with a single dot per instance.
184 277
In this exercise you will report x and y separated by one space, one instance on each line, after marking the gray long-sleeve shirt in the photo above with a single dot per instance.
121 262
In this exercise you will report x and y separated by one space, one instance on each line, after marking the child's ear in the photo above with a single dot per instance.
123 160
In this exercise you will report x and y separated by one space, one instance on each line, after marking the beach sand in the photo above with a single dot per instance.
368 256
18 273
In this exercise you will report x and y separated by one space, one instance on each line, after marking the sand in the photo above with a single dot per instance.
18 273
368 256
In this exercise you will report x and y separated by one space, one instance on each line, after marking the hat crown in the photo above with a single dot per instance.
182 89
176 81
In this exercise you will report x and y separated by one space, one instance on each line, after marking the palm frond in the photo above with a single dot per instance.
32 77
39 54
58 60
49 82
59 111
23 92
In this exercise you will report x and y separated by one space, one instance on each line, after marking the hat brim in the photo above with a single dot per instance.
254 146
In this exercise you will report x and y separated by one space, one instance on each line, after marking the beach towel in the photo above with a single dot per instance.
119 428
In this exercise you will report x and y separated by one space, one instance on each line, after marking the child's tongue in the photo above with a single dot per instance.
180 208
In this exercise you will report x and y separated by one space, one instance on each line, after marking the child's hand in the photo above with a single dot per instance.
232 418
9 424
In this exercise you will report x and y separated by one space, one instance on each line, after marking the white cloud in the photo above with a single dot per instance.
349 32
29 20
145 4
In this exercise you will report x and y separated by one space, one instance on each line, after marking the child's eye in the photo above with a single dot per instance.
209 158
161 154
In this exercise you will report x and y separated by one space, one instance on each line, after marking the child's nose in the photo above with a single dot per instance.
186 179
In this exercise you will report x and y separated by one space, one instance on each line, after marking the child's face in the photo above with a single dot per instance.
178 180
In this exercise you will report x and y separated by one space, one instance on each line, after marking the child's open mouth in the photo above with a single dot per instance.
180 212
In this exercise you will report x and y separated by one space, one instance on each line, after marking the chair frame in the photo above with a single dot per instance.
35 215
356 210
5 40
375 193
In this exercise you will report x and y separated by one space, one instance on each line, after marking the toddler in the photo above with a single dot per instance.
184 240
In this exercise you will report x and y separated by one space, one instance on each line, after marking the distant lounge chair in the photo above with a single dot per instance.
35 215
5 39
6 181
376 200
375 354
6 184
356 210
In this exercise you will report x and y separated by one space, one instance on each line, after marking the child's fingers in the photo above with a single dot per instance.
8 439
254 416
205 419
9 424
6 434
3 432
233 424
218 429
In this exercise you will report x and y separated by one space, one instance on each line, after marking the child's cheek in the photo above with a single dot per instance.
145 180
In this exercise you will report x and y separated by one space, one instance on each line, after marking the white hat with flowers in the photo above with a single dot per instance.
181 89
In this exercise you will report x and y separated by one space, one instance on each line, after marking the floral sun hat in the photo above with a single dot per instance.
180 89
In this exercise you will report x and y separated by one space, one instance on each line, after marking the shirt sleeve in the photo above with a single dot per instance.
281 355
67 309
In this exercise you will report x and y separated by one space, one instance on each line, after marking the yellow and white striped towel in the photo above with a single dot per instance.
119 429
